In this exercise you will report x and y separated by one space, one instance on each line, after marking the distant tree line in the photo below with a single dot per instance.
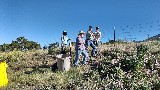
22 44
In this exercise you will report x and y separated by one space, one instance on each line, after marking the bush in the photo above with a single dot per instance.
53 48
12 56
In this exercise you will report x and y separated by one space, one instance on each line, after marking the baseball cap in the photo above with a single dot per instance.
97 28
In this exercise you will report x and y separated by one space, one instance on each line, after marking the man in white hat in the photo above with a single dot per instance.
80 49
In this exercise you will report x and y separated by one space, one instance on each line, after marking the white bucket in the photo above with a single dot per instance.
63 62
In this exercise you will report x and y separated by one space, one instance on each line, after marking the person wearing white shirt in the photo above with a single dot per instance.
64 40
97 37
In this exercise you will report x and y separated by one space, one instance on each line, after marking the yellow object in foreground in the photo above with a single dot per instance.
3 74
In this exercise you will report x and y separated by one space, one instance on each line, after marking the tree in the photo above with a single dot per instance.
14 45
6 47
45 47
52 48
21 43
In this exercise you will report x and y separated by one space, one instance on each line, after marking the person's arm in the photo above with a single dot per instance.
68 39
95 36
62 39
77 43
99 35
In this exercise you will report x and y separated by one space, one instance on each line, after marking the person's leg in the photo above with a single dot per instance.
99 43
85 56
63 49
87 44
78 53
96 43
93 48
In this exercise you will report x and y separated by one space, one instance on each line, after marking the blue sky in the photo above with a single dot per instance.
44 20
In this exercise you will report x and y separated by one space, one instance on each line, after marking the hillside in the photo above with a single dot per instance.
118 66
156 37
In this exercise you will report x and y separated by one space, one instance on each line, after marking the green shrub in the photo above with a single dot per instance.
11 56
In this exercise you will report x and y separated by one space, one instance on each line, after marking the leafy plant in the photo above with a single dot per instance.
53 48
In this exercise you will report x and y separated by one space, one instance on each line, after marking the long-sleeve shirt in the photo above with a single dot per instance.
64 40
80 43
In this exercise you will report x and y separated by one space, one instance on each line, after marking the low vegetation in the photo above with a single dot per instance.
121 66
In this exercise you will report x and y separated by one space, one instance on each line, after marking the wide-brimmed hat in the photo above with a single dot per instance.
81 32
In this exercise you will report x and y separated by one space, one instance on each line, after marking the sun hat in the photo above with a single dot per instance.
81 32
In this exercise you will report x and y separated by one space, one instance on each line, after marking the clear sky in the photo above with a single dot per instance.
44 20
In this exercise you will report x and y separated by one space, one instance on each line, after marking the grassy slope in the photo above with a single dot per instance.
34 70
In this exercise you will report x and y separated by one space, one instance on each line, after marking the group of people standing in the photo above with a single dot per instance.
82 45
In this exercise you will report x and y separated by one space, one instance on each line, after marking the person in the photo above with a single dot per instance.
97 38
64 40
89 41
80 49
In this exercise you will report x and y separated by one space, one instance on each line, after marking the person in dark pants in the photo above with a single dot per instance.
64 40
